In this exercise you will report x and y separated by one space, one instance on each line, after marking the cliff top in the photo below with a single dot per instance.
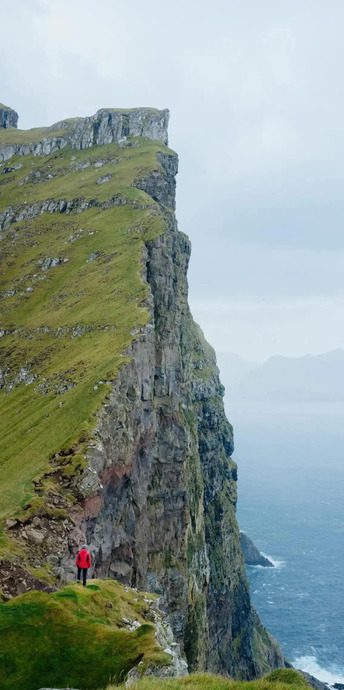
105 126
73 226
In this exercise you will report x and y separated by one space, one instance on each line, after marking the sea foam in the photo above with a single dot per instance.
310 665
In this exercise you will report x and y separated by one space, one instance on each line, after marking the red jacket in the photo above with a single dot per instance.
83 559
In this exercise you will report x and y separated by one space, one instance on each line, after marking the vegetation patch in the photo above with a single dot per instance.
282 679
77 637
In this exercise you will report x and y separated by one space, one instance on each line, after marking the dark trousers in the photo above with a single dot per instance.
84 575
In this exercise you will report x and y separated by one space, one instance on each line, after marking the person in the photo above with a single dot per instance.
83 563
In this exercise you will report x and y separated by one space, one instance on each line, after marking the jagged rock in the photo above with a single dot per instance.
8 117
48 263
318 684
251 554
178 666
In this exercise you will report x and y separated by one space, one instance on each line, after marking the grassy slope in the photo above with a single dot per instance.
75 637
101 298
282 679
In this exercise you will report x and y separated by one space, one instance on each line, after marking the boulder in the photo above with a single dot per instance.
35 536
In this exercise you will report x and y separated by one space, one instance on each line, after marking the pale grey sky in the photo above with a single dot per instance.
255 91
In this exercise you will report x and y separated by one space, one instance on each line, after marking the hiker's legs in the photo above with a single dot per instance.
84 576
79 573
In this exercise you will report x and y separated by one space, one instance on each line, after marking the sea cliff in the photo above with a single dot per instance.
111 401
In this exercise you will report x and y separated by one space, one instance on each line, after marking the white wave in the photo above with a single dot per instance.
310 665
277 564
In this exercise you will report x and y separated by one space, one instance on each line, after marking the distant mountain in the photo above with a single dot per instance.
233 368
312 377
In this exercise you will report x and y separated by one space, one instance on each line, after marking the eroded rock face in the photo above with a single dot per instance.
8 117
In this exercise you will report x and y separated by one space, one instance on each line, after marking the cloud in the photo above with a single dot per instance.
256 117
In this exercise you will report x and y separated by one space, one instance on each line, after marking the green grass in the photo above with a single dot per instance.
27 136
75 637
74 325
282 679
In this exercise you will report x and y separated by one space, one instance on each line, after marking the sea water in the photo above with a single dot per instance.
291 504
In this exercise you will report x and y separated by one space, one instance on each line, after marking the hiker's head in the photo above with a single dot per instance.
84 546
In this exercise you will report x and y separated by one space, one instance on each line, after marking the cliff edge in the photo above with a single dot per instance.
111 405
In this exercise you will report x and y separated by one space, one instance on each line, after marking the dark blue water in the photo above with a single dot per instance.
291 503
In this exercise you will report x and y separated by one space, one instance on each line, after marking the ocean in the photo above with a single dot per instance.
291 504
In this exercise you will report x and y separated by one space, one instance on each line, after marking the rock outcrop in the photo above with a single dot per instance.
8 117
154 492
105 127
251 554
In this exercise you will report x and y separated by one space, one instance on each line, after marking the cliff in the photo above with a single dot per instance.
112 417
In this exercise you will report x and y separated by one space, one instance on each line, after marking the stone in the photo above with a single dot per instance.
11 523
34 536
48 263
105 178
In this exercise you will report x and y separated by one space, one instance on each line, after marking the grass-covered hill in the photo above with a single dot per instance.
71 296
78 637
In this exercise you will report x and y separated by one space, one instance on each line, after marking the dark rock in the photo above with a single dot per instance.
318 684
251 554
15 580
8 117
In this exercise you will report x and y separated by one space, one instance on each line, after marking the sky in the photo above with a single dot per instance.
256 95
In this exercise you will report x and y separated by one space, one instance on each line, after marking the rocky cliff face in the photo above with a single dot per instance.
105 127
154 491
8 117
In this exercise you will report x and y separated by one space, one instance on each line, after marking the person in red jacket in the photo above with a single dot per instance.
83 563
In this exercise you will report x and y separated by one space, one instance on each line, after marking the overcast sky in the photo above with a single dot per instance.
256 95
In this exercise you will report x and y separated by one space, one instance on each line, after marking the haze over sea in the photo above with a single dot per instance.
291 478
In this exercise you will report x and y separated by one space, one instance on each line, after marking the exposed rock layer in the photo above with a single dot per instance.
105 127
